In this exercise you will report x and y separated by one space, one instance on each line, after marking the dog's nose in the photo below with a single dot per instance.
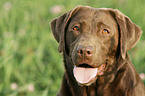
85 51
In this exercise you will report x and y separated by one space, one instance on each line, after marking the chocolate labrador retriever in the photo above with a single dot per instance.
94 43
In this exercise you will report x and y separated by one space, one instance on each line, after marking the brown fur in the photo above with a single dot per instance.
119 77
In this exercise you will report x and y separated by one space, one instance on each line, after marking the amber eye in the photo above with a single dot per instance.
105 31
76 28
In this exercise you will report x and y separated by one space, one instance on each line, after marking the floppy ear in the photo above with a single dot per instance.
58 26
129 32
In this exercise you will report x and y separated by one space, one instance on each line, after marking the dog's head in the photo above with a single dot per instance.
94 39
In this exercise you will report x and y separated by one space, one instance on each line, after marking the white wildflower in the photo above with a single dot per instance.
14 86
31 88
142 76
57 9
7 6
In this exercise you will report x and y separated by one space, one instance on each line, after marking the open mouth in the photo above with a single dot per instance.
85 65
85 74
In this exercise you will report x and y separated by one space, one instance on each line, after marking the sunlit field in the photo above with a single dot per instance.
30 64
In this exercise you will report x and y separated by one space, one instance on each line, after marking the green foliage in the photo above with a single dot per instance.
29 62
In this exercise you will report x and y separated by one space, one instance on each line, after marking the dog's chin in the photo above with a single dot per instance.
85 74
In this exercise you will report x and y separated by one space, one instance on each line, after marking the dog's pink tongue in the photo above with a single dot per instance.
84 75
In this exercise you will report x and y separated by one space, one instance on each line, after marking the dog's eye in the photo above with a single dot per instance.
105 31
76 28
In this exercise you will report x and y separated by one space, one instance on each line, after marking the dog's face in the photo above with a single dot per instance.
93 39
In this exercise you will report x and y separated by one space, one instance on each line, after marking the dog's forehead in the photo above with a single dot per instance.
93 17
92 14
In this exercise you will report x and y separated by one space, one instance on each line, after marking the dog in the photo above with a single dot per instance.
94 43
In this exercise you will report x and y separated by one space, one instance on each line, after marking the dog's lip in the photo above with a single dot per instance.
101 69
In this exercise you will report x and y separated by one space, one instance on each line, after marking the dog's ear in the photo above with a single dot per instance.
129 32
59 24
57 27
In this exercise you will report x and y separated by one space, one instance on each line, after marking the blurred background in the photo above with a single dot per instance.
30 64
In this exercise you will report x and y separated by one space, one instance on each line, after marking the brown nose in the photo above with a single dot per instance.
85 51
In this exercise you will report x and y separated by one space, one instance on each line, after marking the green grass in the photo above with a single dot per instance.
28 51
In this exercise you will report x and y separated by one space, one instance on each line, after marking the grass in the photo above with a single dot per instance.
29 62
